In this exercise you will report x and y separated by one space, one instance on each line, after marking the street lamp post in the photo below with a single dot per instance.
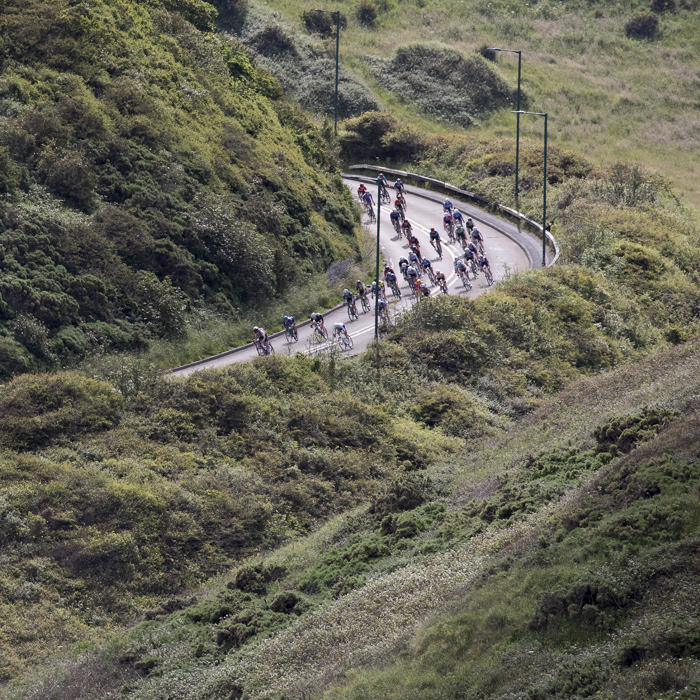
337 49
544 186
517 111
376 279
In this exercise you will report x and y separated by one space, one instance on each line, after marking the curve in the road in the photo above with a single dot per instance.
509 250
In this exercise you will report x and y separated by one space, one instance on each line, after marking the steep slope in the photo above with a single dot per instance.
147 166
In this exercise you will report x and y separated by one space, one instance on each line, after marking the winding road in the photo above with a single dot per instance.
508 248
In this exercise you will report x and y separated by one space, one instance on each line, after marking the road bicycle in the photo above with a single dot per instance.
291 335
320 334
443 286
384 316
264 349
465 280
431 277
412 284
488 275
397 227
352 312
371 214
449 230
384 197
343 342
395 289
365 304
438 248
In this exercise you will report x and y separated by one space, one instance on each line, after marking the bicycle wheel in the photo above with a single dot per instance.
465 281
439 250
365 305
431 277
385 198
259 347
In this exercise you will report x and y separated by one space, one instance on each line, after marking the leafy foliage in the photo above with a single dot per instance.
155 172
445 84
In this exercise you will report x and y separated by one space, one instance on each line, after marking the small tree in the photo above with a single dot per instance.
322 23
645 25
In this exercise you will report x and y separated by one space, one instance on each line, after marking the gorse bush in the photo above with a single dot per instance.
139 187
323 23
644 25
366 13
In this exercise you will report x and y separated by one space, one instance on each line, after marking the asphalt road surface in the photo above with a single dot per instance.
508 250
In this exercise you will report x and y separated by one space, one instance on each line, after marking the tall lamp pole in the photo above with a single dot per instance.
337 49
376 279
544 185
517 112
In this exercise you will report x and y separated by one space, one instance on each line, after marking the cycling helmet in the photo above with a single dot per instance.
255 329
437 272
359 281
345 291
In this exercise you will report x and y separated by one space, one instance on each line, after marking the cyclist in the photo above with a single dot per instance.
426 265
260 335
398 185
383 184
440 279
407 228
414 256
361 190
349 298
289 322
461 268
457 216
447 220
361 290
424 289
470 260
435 240
367 198
447 205
484 265
340 329
400 203
461 236
470 225
411 274
395 217
317 322
477 238
472 246
390 278
412 240
403 264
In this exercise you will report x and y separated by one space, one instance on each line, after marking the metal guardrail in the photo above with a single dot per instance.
472 195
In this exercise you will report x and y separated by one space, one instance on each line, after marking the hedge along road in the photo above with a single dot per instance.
508 249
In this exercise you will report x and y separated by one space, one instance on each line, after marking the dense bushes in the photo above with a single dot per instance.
445 84
302 64
143 183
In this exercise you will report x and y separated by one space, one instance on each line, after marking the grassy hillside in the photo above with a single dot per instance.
559 555
608 95
119 505
149 171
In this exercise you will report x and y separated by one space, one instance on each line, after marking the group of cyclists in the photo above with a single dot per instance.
458 228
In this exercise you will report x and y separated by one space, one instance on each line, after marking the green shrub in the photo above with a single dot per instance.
661 6
38 410
366 13
445 84
322 23
13 358
644 25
